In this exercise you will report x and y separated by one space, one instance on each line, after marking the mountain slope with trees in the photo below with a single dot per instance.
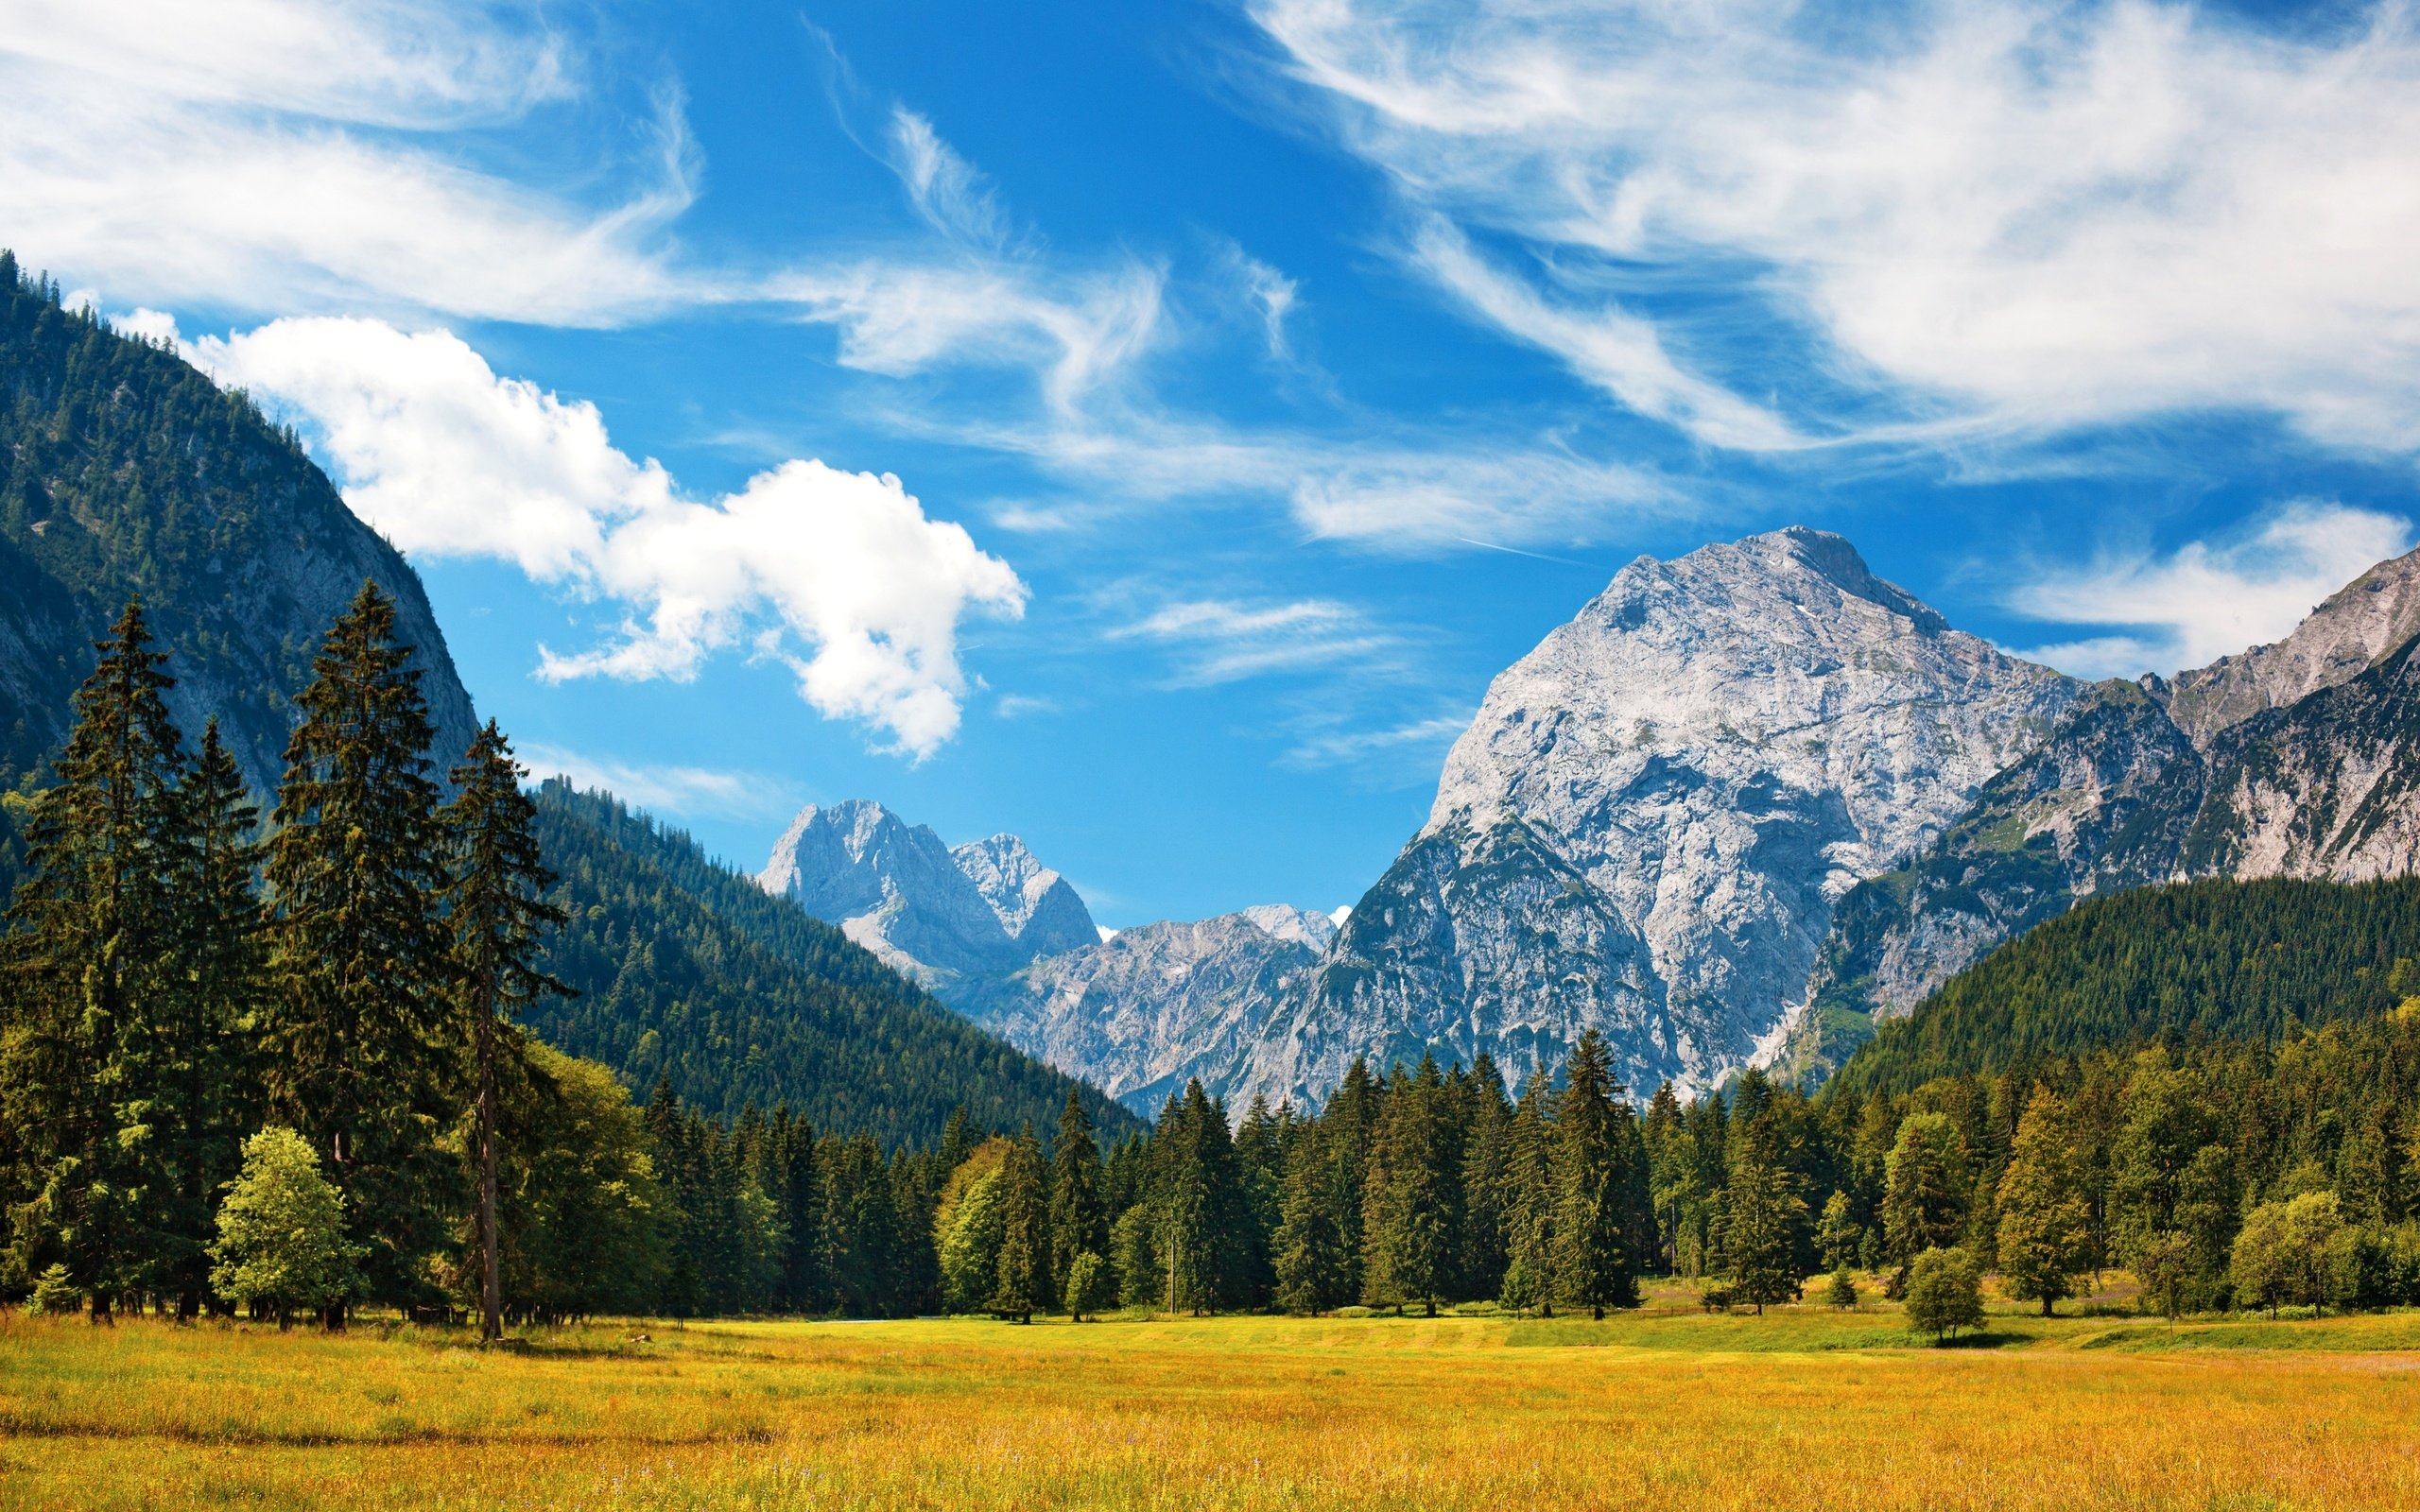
125 469
2181 965
689 973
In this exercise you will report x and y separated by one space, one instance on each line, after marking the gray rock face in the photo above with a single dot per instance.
1647 826
2294 759
940 915
1141 1012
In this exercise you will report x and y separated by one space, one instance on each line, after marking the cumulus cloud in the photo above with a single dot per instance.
840 575
2206 600
2026 214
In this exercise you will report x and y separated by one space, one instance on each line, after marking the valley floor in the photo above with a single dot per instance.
1664 1408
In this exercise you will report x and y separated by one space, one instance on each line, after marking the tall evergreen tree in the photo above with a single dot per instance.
219 965
1023 1276
1530 1202
358 1034
1594 1267
1413 1200
1924 1204
1309 1247
1079 1216
81 1076
496 903
1763 1213
1487 1122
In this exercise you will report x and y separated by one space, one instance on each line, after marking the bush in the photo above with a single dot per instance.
1842 1292
1715 1296
54 1294
1945 1293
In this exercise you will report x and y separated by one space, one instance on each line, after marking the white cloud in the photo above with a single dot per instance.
839 574
1222 640
278 155
681 792
2208 600
2027 213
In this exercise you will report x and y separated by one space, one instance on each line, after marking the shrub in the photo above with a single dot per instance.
54 1294
1841 1292
1945 1293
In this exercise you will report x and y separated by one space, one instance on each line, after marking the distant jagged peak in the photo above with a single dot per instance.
2358 626
1035 904
1304 926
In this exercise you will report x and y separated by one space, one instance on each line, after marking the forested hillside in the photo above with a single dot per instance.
2183 965
688 972
124 469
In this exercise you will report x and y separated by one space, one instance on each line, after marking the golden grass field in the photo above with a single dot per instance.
1664 1408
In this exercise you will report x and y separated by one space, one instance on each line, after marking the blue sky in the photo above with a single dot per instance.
1146 428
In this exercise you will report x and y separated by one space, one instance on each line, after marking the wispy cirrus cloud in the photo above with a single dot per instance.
1216 640
667 790
2019 213
2187 607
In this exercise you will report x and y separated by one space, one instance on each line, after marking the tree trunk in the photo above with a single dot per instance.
2048 1311
491 1282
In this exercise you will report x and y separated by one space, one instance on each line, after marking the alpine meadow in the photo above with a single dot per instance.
982 756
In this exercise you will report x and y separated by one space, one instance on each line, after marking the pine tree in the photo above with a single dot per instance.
1530 1202
1022 1278
1762 1215
1078 1217
1309 1241
1413 1201
496 903
1593 1265
218 973
81 1074
2044 1225
358 1034
1487 1123
1924 1206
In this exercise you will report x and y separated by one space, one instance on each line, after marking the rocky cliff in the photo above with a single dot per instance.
2293 759
1647 826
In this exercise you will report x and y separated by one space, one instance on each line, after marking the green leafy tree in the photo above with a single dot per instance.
495 903
359 1038
2163 1264
2045 1225
81 1079
1078 1215
1135 1241
1091 1288
1945 1293
1837 1234
282 1240
584 1220
1021 1278
1593 1265
970 1222
2285 1253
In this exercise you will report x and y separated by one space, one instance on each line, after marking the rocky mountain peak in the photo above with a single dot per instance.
2357 626
933 912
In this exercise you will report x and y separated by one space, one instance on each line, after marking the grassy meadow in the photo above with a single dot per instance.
1663 1408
